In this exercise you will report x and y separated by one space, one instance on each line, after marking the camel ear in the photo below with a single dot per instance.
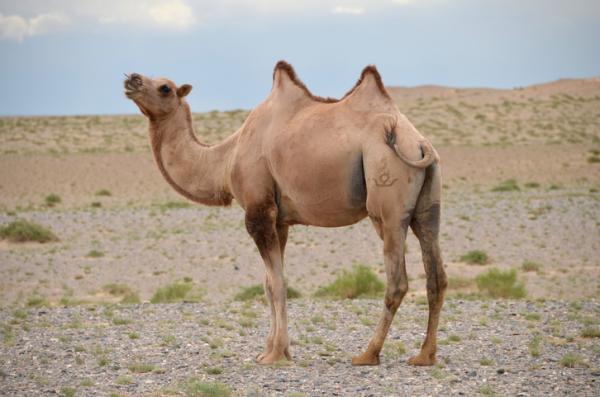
184 90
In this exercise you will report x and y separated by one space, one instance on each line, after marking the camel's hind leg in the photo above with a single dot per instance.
425 224
394 235
392 194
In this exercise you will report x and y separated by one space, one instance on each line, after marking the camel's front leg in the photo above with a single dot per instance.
261 224
397 286
282 233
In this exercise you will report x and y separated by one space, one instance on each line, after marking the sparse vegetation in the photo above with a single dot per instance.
532 316
475 257
591 332
22 230
531 185
530 266
103 192
496 284
594 158
196 388
128 296
140 367
360 282
214 370
535 346
171 205
52 199
457 282
176 292
37 301
509 185
486 361
95 254
487 390
68 391
572 360
257 291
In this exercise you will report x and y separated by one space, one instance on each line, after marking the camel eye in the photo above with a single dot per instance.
165 89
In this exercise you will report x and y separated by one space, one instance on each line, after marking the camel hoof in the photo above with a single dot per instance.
262 355
365 359
272 358
422 360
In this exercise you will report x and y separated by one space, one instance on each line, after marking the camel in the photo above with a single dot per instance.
303 159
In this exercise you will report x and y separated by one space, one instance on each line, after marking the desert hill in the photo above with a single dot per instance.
563 111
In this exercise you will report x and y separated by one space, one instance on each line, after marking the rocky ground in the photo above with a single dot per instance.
512 348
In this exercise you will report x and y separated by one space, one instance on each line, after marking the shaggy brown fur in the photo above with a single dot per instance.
302 159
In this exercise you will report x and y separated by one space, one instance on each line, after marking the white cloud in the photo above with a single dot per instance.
348 10
16 27
174 13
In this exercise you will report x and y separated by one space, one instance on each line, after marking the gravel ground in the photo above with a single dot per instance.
486 347
147 248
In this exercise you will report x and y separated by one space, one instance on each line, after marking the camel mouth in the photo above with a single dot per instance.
133 85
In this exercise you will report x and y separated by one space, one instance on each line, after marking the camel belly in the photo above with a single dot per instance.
320 188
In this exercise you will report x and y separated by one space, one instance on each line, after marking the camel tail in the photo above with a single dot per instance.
430 156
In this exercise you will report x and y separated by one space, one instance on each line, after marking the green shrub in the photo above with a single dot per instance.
590 332
535 346
175 292
572 360
197 388
500 284
103 192
131 298
532 185
95 254
593 159
68 391
509 185
257 291
52 199
141 368
529 266
360 282
475 257
37 301
170 205
22 230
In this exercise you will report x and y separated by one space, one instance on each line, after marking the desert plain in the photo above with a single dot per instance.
80 315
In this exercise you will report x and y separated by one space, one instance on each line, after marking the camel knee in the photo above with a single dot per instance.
260 224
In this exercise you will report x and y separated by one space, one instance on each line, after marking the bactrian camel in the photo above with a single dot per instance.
302 159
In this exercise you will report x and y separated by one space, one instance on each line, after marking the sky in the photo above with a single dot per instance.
64 57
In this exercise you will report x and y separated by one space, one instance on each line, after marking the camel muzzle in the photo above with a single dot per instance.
132 84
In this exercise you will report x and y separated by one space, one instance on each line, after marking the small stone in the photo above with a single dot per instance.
500 371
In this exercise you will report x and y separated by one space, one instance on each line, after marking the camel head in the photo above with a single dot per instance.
156 98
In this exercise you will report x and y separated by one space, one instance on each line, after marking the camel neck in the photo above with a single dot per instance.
194 170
